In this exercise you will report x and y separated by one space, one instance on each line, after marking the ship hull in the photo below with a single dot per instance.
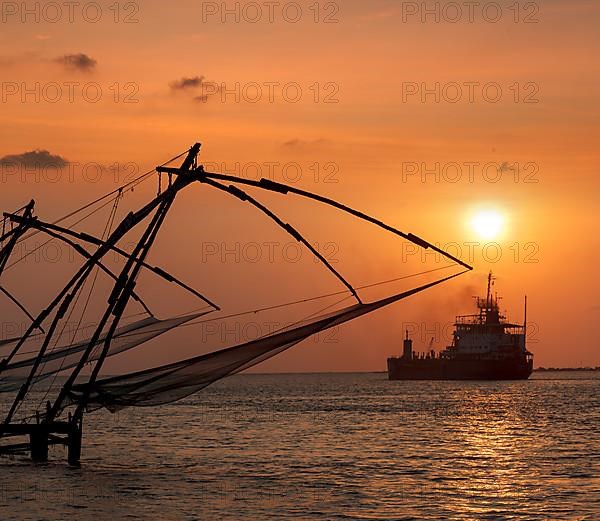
441 369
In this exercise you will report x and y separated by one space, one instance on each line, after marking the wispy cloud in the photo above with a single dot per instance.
302 143
21 59
506 167
186 83
77 62
196 84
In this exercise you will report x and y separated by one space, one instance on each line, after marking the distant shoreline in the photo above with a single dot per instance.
296 373
544 369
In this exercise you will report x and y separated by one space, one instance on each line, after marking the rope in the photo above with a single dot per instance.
311 299
107 230
53 238
309 316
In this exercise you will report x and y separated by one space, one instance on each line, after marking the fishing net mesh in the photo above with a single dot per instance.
66 357
175 381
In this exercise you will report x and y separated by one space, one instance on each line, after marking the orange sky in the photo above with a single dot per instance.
374 130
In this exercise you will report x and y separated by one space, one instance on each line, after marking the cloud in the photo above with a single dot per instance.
187 83
207 88
301 143
77 62
506 167
35 159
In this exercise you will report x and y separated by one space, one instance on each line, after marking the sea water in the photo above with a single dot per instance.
329 447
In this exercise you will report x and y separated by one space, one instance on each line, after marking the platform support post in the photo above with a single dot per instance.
38 440
74 446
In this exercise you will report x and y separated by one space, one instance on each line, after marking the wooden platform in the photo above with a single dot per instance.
41 436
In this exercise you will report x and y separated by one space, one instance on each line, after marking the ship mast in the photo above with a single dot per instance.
525 324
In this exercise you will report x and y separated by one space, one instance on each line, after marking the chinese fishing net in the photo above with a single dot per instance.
168 383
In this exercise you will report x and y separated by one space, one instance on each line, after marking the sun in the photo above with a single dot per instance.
488 224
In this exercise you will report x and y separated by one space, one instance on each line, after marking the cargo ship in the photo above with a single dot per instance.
485 346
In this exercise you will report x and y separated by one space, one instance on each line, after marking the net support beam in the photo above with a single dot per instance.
243 196
273 186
